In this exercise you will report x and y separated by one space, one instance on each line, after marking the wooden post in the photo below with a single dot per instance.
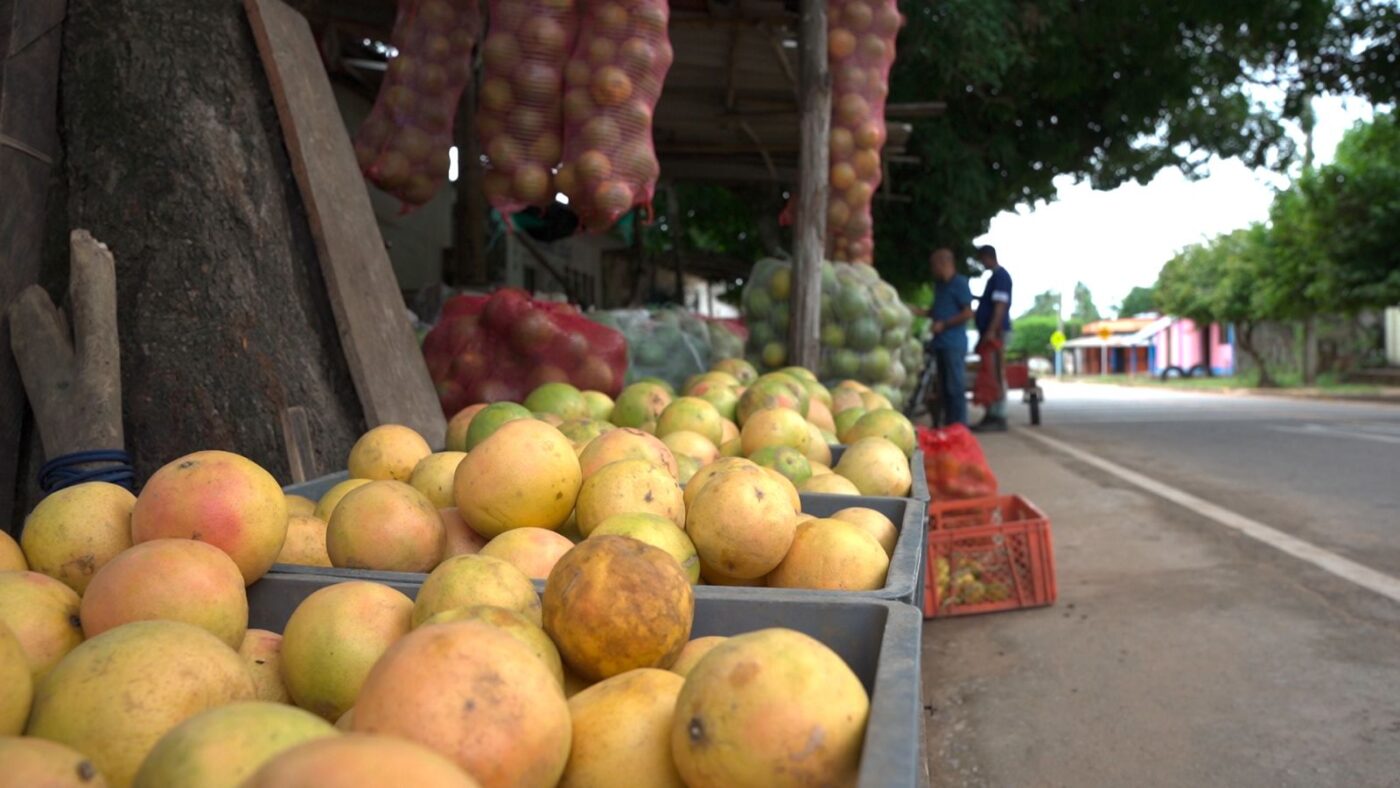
809 230
30 35
673 218
469 212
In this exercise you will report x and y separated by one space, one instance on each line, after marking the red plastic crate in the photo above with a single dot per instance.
988 555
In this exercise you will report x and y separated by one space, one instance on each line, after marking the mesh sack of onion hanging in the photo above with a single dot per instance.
402 145
519 116
503 346
860 49
612 81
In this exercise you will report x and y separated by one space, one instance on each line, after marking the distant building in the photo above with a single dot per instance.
1151 345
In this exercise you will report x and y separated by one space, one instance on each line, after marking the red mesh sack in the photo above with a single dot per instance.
860 49
502 346
955 465
519 117
403 144
612 82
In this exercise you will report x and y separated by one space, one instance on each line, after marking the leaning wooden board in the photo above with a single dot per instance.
388 369
31 33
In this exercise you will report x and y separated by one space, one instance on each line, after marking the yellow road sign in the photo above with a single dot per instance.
1058 339
1104 333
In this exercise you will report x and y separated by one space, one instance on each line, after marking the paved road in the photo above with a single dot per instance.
1182 652
1324 471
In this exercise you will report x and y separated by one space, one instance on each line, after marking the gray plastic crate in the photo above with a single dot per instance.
903 583
317 487
880 641
919 489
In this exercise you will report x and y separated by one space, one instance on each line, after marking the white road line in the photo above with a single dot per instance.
1345 568
1333 432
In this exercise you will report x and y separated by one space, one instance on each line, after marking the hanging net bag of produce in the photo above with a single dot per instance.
503 346
403 145
611 85
860 49
865 328
519 116
670 344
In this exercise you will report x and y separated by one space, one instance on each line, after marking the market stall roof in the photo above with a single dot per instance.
728 111
1126 332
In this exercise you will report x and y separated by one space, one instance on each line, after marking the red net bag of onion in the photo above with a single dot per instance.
519 118
403 144
503 346
860 49
612 82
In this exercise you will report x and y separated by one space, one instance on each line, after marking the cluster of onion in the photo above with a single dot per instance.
403 144
860 46
519 117
611 84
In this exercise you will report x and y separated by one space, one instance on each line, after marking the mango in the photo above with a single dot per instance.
476 694
75 531
334 637
117 694
389 451
725 732
614 604
219 498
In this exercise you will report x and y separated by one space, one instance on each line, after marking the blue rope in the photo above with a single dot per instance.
64 471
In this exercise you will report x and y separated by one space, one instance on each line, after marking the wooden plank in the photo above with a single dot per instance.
809 229
385 362
301 451
469 212
30 38
722 170
916 109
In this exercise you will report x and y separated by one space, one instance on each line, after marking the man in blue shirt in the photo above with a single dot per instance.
994 323
952 308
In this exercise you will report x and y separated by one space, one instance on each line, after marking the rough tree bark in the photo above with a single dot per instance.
1246 342
175 159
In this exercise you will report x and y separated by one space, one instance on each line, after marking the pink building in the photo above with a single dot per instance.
1152 345
1184 345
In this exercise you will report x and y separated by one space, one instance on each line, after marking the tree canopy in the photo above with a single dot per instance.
1331 246
1219 282
1137 301
1030 334
1046 303
1112 92
1084 309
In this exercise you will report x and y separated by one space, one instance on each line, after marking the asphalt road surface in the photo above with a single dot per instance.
1182 651
1324 471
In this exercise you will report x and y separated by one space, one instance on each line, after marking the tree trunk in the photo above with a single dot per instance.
1309 365
175 159
1246 341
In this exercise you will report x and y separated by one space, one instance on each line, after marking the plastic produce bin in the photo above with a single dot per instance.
879 640
315 488
987 555
903 583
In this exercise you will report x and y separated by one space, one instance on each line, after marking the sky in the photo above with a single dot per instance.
1115 240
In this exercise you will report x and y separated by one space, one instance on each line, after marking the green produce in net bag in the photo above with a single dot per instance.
866 331
670 344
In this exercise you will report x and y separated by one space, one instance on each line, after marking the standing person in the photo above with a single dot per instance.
952 308
994 328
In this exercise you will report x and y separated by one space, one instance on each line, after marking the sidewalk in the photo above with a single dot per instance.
1177 654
